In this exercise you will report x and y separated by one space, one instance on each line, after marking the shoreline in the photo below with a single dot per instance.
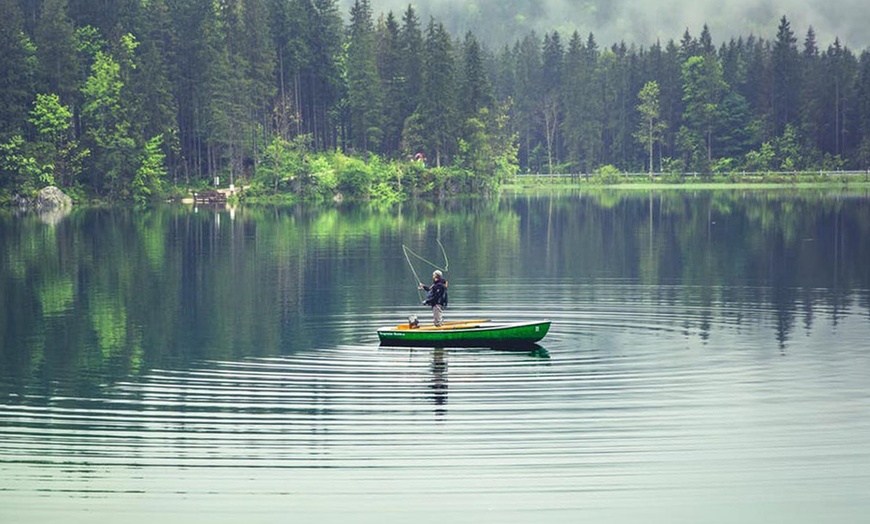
525 183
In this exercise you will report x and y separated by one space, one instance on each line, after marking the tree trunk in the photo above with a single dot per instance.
650 148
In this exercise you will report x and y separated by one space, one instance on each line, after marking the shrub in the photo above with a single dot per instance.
608 174
354 178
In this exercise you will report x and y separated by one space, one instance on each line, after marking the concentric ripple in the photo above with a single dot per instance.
635 404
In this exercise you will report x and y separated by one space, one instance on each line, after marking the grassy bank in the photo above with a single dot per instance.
716 182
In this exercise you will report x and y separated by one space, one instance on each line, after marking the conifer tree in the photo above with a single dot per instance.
438 104
551 101
572 85
17 68
56 48
152 80
392 82
363 83
410 48
786 77
863 110
475 90
703 88
529 101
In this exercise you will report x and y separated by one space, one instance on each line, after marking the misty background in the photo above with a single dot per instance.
641 22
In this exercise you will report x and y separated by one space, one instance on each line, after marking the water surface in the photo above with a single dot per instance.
708 361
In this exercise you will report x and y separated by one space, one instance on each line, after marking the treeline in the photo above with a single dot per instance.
748 104
122 99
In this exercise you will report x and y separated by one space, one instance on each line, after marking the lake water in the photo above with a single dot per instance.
709 361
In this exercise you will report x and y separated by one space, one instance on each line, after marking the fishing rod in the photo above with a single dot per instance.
408 252
417 280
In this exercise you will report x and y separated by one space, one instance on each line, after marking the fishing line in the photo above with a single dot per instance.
417 280
443 252
408 251
418 257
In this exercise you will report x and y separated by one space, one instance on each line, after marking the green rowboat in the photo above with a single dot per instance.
465 333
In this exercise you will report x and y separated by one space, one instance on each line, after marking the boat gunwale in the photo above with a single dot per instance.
476 329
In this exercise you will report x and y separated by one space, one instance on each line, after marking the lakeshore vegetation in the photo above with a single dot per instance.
134 100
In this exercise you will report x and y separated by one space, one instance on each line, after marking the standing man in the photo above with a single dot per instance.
437 297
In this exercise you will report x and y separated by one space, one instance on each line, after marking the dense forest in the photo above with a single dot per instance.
128 98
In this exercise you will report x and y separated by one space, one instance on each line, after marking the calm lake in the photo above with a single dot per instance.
709 361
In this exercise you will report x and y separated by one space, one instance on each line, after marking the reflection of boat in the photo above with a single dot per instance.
469 333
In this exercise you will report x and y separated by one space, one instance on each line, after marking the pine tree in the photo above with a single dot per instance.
812 91
411 53
392 82
863 110
705 42
839 128
734 129
259 52
252 55
504 77
666 70
17 68
56 48
572 85
197 56
475 91
619 98
786 77
703 88
363 83
476 112
590 119
152 84
289 34
551 101
529 101
438 104
111 18
688 47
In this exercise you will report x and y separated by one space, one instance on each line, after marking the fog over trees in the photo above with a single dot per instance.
640 22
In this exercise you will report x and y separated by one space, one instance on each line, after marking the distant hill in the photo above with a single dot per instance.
641 22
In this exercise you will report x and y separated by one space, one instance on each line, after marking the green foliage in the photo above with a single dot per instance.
488 152
651 128
760 160
149 178
17 70
608 174
438 104
56 46
108 130
323 172
724 166
413 140
20 171
788 150
283 162
703 88
364 96
219 81
353 177
54 125
49 116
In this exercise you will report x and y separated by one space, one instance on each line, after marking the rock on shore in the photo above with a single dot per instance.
51 198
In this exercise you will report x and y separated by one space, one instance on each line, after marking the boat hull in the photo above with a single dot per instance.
466 334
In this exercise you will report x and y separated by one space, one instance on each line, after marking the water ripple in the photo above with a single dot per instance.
631 402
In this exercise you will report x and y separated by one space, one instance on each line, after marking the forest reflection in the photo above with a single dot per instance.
107 293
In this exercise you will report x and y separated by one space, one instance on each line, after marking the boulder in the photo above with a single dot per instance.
50 198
